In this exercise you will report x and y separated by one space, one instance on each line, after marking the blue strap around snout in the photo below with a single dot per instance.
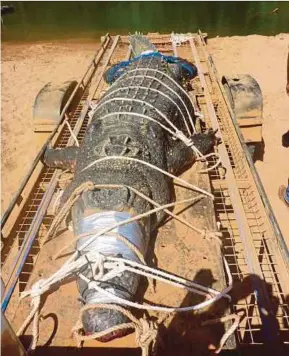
118 69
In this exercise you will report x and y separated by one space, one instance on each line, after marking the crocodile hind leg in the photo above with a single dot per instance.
180 156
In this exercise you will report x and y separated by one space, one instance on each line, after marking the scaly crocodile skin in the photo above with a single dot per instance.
130 136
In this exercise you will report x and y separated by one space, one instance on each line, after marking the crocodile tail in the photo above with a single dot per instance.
140 44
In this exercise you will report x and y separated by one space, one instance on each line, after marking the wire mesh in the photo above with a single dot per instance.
250 330
22 225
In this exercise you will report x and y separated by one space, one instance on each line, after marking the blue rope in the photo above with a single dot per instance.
117 70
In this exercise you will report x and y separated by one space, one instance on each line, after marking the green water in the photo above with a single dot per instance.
33 21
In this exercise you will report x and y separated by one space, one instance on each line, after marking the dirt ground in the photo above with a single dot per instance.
26 68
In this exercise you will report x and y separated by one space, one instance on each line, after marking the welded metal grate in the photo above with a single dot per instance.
234 253
20 229
30 209
249 331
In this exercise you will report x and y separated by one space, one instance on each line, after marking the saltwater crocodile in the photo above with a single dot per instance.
126 122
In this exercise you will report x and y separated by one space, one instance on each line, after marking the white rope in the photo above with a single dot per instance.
176 135
168 278
35 315
95 285
107 267
178 38
138 101
229 332
214 165
166 86
115 267
206 234
56 202
188 185
76 263
72 133
62 213
146 331
153 90
157 79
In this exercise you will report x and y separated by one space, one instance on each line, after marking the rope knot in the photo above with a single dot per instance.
146 332
89 186
187 141
36 290
98 266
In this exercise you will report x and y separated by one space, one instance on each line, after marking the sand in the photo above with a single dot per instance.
26 68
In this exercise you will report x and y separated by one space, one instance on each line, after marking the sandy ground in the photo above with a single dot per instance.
26 68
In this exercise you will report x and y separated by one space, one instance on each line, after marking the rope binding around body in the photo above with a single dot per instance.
107 267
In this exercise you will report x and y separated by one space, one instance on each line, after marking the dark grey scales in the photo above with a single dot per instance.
129 136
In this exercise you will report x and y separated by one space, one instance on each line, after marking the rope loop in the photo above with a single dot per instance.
236 321
36 290
107 267
146 331
98 267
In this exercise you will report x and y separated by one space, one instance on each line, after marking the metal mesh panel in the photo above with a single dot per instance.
250 329
20 229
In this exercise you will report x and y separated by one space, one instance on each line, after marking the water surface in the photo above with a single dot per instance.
50 20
